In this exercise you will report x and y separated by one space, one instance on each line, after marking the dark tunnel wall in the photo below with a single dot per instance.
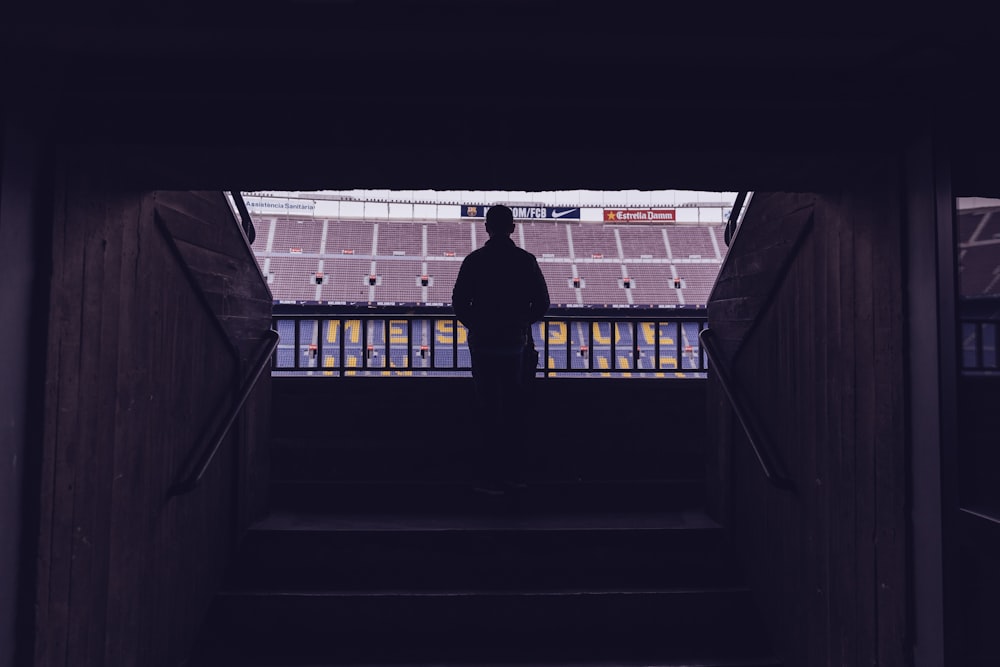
821 359
22 304
138 366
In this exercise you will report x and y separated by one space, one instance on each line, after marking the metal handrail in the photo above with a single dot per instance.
246 222
734 217
191 480
755 435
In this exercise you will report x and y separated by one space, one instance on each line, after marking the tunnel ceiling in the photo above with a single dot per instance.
492 94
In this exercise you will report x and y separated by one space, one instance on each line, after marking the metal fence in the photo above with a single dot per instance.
391 342
979 345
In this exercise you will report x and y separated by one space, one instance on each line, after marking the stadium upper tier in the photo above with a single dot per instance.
979 247
312 259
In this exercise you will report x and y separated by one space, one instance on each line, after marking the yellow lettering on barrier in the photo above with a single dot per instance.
623 363
352 362
399 373
649 333
668 362
601 338
602 362
397 332
445 332
557 332
353 328
327 362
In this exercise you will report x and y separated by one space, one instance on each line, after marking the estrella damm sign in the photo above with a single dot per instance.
527 212
640 215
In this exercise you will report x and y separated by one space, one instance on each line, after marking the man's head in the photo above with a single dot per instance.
499 221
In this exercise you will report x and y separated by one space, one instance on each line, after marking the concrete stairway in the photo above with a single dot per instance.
378 551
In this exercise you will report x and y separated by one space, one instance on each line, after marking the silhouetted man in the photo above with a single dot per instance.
499 293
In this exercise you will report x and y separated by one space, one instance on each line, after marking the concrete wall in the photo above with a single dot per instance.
821 360
21 301
142 363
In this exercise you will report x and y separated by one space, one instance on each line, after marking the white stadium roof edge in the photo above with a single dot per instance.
671 206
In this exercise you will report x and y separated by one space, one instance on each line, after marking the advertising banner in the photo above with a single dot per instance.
279 205
527 212
560 212
640 215
473 211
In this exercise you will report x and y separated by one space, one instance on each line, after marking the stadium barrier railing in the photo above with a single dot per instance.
430 341
980 340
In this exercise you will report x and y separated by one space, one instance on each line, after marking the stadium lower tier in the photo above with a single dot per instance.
439 347
324 261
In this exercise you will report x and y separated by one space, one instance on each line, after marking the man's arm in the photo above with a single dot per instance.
540 293
461 295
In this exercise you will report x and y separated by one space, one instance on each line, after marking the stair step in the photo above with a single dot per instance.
314 459
378 551
509 625
566 410
462 498
487 552
223 661
594 436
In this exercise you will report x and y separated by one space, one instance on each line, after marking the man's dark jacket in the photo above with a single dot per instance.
499 293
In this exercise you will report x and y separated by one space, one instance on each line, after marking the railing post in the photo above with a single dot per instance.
978 327
590 347
635 345
545 347
298 342
319 344
569 347
658 327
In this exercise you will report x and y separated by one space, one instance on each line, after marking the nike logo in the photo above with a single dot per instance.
557 214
